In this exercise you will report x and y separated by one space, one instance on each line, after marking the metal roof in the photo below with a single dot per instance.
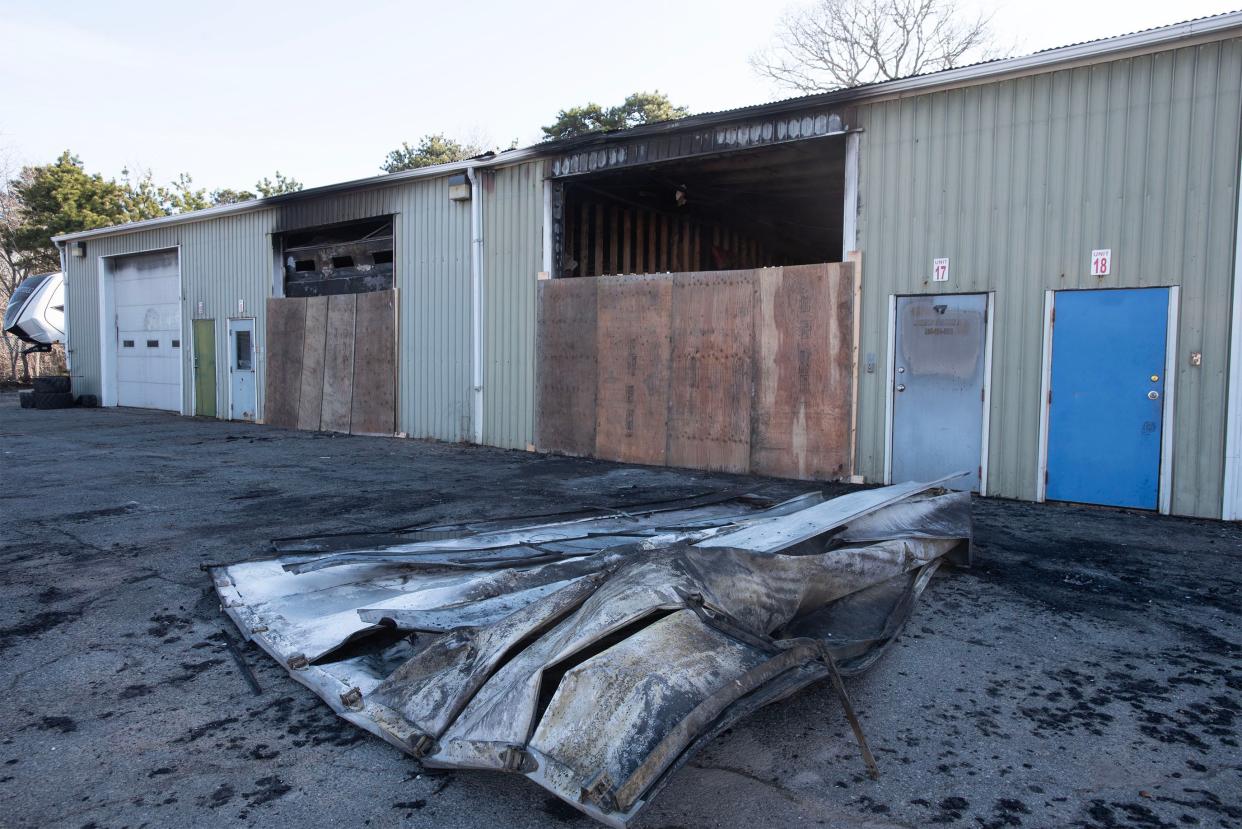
1163 36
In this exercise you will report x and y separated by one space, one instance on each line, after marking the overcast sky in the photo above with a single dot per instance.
231 91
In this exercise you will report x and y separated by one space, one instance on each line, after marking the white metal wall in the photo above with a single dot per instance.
228 270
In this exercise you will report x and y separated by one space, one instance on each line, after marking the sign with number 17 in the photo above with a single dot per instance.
940 270
1101 262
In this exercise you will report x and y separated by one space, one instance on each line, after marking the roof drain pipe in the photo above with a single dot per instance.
476 304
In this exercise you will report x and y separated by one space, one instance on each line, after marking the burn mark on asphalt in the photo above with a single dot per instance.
266 790
64 725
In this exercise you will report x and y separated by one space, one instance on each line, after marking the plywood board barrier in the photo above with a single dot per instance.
374 409
739 371
331 363
565 348
633 341
286 324
709 408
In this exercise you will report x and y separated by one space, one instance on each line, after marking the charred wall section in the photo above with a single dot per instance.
352 258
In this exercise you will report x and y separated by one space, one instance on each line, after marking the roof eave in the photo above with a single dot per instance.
372 182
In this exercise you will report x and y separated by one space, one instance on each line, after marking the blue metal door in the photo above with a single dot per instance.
1107 396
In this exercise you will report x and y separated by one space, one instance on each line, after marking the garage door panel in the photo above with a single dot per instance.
146 290
162 317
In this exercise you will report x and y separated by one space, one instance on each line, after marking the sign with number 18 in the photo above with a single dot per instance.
1101 262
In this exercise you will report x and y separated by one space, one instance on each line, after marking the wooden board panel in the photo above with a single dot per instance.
374 409
312 362
710 374
634 315
803 372
338 372
286 322
566 370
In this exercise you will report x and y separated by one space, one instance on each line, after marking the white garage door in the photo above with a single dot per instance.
148 324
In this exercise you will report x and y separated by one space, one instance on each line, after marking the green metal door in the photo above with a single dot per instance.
205 368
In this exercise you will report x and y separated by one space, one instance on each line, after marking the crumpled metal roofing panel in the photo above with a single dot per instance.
595 655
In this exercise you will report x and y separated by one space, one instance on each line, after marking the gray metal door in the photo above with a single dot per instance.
938 377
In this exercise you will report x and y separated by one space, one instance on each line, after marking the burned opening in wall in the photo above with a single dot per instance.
350 258
754 208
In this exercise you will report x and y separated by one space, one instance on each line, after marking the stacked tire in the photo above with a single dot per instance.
51 393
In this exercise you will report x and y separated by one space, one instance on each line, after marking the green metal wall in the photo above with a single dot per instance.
229 259
1016 182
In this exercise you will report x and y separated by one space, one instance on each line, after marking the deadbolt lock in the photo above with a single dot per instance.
1153 395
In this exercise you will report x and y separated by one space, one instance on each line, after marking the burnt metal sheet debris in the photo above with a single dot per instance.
595 652
610 153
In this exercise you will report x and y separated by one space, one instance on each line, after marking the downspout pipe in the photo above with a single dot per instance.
476 303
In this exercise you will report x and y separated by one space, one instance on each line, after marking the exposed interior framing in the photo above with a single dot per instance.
782 205
346 258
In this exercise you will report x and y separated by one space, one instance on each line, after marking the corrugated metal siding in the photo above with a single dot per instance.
513 257
228 259
1017 182
433 275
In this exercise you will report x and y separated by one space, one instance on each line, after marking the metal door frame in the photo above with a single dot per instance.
1164 499
890 375
254 360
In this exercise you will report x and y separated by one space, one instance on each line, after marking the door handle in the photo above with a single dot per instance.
901 387
1153 395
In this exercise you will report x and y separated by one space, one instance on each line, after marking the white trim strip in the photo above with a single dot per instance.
849 219
989 327
888 389
1168 409
1231 505
1045 388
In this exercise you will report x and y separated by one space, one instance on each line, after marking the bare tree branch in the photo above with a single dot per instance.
835 44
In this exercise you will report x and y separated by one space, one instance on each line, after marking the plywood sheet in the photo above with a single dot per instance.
633 341
338 374
312 362
566 368
803 371
374 409
710 370
286 321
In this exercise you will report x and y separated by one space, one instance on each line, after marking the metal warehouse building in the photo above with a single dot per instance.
1028 269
